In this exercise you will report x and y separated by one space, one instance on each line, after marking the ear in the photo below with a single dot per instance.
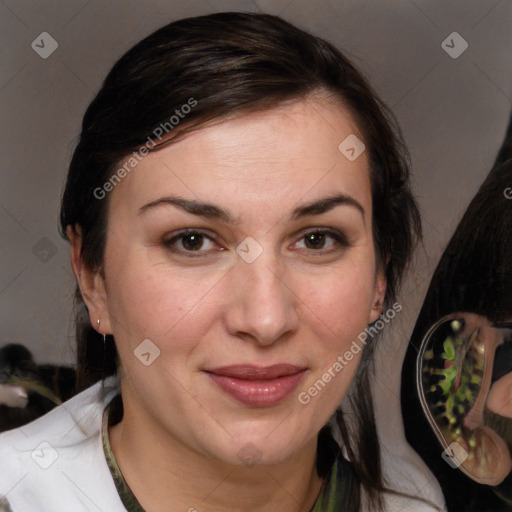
378 296
91 283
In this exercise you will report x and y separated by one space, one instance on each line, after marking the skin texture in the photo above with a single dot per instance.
499 399
180 438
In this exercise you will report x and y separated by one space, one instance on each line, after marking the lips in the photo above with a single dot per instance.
249 372
258 386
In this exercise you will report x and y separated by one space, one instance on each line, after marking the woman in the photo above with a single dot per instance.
238 210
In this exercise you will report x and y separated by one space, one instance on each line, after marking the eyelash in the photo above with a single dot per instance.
338 237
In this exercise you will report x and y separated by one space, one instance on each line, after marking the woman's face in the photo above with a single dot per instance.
271 272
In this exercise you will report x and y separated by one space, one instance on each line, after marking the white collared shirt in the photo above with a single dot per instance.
56 463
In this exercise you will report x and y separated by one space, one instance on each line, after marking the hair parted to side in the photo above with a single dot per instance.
231 64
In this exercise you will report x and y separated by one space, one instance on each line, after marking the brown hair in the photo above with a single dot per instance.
235 63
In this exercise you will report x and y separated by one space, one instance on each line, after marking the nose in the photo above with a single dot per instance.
263 306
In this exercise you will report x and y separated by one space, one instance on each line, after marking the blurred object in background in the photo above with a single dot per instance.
27 390
474 276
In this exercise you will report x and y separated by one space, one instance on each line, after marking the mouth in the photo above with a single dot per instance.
258 386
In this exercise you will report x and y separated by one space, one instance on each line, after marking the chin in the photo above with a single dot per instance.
261 445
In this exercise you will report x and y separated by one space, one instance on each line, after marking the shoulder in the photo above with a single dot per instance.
408 475
57 461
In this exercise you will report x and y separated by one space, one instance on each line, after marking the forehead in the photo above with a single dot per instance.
287 153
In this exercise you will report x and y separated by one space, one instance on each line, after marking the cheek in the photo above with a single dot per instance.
338 311
148 301
340 302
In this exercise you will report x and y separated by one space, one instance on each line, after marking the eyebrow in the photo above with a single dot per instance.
214 212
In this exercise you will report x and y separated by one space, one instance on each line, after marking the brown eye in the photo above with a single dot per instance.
325 240
315 240
190 241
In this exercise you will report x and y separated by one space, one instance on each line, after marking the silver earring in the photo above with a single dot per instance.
104 335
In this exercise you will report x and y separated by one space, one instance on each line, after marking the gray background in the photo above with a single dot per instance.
453 113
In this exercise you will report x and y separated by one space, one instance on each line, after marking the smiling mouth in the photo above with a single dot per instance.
258 386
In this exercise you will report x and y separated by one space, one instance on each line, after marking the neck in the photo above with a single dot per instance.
161 471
